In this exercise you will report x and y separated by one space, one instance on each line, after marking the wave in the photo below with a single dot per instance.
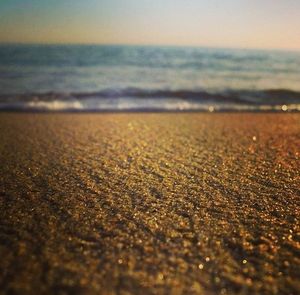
134 99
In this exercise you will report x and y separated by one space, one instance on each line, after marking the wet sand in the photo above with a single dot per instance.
149 203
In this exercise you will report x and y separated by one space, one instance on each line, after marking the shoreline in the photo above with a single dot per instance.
151 111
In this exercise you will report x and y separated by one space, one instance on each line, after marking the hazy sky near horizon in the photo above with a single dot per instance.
220 23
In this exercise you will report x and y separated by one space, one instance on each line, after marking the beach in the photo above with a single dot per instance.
149 203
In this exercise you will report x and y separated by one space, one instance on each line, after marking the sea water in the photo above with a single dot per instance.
147 78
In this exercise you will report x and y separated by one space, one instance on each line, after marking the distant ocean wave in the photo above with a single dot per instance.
134 99
147 78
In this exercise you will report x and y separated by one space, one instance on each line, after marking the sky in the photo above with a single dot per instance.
214 23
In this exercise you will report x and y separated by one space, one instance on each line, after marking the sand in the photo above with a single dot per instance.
149 203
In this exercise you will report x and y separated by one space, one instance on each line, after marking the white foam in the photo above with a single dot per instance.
55 105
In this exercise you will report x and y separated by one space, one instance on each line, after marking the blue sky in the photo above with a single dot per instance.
221 23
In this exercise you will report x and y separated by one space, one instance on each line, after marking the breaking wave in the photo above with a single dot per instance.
134 99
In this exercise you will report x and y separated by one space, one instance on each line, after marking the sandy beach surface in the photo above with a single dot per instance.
149 203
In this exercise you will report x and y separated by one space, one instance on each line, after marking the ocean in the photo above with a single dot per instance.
147 78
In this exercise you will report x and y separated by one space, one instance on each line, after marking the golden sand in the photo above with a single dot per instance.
149 203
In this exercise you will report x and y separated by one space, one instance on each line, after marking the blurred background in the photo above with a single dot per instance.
149 55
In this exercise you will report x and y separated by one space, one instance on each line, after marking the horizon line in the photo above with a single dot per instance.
149 45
